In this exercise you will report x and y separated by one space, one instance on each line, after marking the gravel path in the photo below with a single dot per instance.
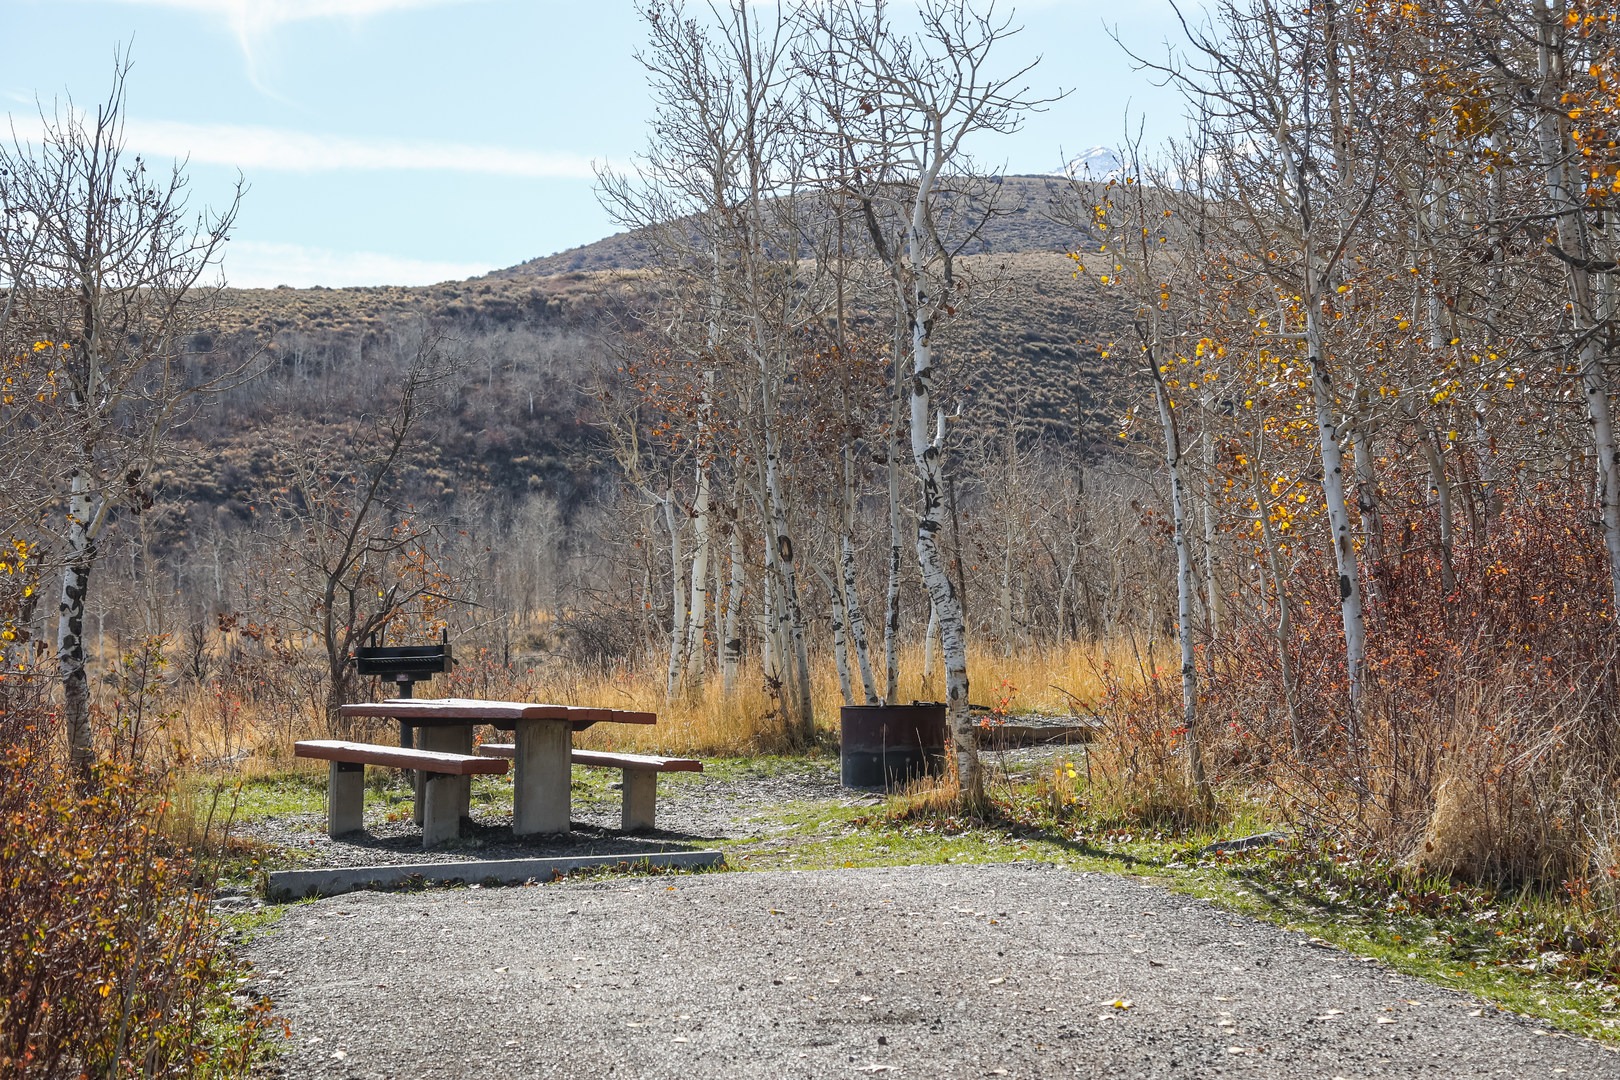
693 809
947 971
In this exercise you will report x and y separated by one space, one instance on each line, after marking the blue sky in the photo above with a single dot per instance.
414 141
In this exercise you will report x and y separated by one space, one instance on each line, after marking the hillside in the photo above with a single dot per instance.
1020 221
536 339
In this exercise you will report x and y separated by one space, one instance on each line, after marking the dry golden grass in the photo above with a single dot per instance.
1060 681
253 739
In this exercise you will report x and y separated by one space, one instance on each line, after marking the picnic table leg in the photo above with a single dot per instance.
441 821
541 776
345 796
640 800
452 739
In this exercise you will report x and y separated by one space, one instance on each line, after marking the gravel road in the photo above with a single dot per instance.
945 971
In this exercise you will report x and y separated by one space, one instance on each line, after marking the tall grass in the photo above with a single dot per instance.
248 728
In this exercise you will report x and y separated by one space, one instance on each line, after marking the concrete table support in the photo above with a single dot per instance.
640 799
441 816
541 777
345 798
449 740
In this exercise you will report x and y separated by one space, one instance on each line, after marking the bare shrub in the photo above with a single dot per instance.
1485 746
110 962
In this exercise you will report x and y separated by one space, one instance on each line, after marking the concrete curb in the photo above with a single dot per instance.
286 885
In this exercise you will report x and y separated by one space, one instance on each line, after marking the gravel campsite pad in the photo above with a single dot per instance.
959 971
693 809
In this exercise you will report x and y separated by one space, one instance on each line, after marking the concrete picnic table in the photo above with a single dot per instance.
542 734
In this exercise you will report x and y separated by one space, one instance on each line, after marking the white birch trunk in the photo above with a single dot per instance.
1004 601
1211 580
697 623
772 644
731 646
770 650
927 448
835 600
70 650
1372 520
1333 494
1186 586
930 650
855 619
1555 150
790 619
857 624
677 629
891 595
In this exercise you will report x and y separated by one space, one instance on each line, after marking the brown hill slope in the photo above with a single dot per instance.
1023 355
1022 221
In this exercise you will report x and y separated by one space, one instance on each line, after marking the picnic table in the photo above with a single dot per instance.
542 746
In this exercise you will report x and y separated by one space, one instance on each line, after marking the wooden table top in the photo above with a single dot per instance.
501 714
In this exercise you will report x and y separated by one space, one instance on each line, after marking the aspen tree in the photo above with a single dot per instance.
923 96
1271 94
105 266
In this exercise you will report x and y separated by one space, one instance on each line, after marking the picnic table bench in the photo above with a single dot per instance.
639 772
346 782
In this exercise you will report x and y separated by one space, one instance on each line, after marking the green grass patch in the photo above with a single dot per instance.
263 797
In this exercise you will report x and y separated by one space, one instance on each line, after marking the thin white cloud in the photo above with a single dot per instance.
263 265
252 148
253 21
248 17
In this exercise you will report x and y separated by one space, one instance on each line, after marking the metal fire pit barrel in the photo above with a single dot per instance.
883 746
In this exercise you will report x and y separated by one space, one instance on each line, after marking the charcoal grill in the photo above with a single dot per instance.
405 666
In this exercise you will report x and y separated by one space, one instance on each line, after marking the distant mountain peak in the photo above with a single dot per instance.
1098 163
